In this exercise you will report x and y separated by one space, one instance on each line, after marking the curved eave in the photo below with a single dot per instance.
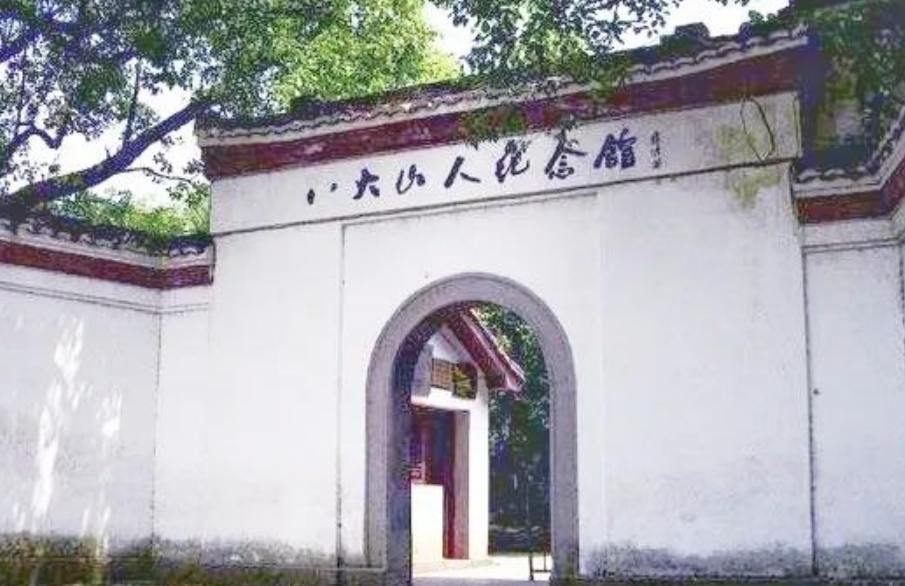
835 195
501 372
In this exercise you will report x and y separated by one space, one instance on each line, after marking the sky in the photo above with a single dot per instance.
720 20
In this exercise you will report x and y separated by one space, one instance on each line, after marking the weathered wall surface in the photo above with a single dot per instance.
78 373
271 410
182 444
858 397
703 432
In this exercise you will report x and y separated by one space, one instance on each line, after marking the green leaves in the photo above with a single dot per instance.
530 39
519 427
190 215
365 48
90 69
865 42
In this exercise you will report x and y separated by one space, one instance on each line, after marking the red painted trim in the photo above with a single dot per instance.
436 429
835 208
451 541
855 206
188 276
755 76
894 190
104 269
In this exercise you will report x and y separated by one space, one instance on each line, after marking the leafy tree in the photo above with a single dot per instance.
866 43
187 214
364 53
519 430
86 68
531 42
533 39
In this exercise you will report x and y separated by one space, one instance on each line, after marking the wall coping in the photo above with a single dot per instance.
106 255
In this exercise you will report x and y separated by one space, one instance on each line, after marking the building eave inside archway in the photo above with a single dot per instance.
502 373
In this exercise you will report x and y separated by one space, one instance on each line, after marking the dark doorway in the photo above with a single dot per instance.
433 457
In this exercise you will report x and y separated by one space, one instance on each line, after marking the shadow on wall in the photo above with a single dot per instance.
865 560
868 561
76 454
59 437
27 560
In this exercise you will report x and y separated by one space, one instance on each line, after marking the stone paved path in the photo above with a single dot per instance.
474 582
501 571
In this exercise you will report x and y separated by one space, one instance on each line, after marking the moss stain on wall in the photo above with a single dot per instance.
754 135
747 183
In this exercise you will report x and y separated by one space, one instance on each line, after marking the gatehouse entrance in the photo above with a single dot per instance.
396 370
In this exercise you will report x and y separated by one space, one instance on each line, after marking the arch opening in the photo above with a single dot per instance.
394 362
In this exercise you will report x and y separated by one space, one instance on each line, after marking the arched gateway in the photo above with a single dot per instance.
388 488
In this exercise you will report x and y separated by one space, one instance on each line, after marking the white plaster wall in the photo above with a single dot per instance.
696 443
182 451
78 374
858 381
443 349
682 299
270 412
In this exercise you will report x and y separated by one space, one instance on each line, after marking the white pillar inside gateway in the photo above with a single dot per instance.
449 460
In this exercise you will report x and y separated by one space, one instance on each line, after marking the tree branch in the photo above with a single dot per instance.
133 106
18 45
21 138
52 142
25 198
159 175
37 24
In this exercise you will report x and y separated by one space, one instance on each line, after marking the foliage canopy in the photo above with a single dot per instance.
519 431
188 213
90 69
